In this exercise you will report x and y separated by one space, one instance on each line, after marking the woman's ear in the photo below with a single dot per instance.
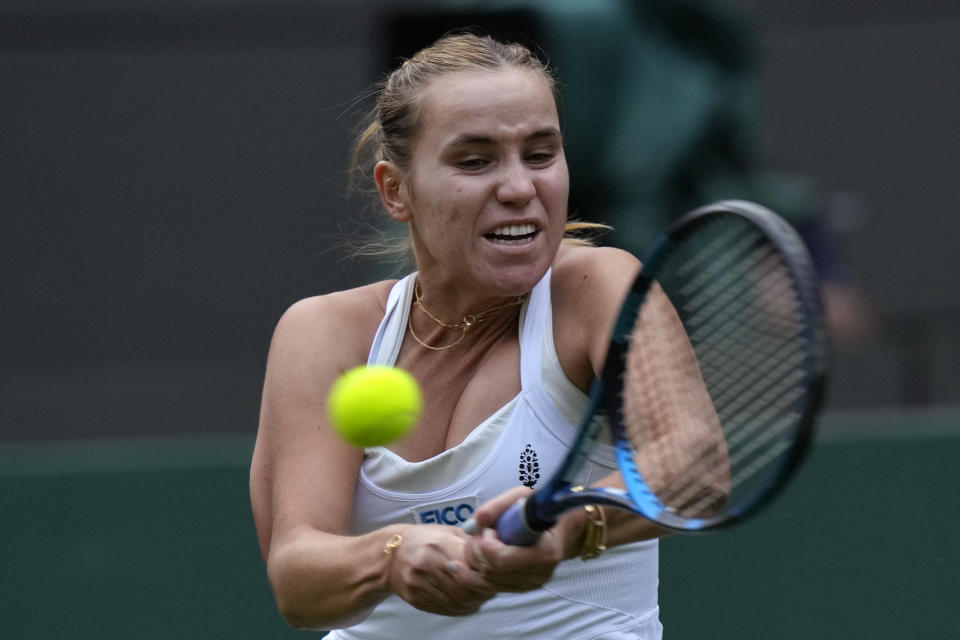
387 177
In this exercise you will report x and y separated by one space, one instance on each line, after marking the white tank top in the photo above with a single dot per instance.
612 596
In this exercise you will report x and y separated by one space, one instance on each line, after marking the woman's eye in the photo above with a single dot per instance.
540 157
472 163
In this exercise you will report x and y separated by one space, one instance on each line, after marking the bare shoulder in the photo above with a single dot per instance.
367 299
586 290
584 274
341 324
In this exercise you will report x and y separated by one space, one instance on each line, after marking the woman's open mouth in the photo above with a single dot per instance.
514 233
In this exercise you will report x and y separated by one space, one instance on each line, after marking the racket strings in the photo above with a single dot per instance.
743 342
706 307
730 393
720 249
716 466
713 247
670 420
689 494
757 421
733 358
711 296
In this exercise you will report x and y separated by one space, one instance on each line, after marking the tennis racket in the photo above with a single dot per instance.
712 382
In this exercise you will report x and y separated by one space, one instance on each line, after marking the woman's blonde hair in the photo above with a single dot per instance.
394 120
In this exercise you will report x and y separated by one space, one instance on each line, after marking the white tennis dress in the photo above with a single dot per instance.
613 596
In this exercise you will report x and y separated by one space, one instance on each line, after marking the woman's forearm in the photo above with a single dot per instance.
325 581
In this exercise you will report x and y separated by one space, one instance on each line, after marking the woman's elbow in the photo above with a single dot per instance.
305 602
289 585
309 619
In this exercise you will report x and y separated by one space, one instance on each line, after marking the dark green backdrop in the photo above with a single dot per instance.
153 538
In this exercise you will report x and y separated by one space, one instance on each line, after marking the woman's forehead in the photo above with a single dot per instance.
506 98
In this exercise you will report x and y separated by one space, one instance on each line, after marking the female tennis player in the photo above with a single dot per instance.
504 322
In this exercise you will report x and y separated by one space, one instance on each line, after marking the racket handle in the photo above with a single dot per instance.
512 527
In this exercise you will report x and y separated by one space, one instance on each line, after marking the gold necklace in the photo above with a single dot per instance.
464 325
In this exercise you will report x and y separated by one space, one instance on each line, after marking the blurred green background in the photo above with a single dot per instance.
153 539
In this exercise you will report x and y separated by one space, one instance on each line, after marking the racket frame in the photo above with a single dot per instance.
604 410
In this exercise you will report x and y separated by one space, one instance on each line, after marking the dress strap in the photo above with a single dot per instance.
389 337
537 319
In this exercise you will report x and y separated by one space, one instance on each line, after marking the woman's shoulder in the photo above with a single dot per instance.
586 289
342 321
587 271
369 299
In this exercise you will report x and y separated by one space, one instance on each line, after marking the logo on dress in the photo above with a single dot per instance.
452 512
529 467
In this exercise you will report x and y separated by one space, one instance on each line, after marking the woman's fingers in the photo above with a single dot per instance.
448 592
513 568
431 573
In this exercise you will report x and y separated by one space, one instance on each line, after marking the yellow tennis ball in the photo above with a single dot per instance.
373 406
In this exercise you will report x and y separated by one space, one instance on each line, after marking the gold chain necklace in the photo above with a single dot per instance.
464 325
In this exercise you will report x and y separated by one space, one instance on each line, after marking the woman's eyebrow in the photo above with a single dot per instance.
466 139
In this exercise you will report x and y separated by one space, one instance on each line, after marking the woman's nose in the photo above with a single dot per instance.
516 186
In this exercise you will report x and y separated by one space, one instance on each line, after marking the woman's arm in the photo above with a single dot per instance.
302 483
592 283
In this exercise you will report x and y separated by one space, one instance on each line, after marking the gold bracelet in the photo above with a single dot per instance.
388 550
595 533
392 544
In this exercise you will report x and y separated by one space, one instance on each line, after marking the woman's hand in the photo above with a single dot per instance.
507 567
430 571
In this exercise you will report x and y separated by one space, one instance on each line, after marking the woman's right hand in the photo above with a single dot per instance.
429 569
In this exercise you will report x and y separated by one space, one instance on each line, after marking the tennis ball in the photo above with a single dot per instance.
373 406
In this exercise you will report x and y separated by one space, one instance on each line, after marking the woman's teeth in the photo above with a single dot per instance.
512 232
